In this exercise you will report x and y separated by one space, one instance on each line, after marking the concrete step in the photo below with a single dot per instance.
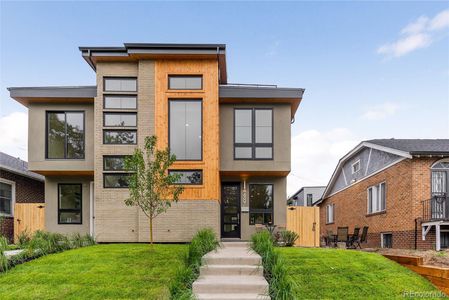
232 297
230 285
245 245
221 270
231 260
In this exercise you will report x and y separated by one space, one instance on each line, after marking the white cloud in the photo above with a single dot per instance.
14 134
416 35
380 111
315 155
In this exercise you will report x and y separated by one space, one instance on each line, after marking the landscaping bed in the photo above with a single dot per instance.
113 271
430 257
347 274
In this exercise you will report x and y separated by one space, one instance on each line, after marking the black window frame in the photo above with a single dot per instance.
70 210
47 127
202 133
114 174
259 210
114 130
106 94
185 75
113 156
119 113
119 77
187 170
383 244
253 145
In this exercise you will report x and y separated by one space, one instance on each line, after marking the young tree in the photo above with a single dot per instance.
151 187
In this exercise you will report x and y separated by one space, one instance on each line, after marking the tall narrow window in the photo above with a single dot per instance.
309 199
185 129
253 133
260 204
70 198
330 213
185 82
65 135
376 198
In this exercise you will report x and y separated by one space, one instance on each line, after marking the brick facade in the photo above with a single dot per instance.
27 190
407 184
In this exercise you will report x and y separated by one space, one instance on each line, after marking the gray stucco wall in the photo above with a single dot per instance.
371 160
281 142
51 205
279 204
37 136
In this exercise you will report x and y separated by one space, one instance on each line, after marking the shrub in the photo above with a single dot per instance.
288 237
203 242
281 287
23 239
3 248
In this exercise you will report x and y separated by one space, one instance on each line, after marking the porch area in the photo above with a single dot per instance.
436 214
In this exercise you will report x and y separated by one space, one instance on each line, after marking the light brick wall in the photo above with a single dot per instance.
407 184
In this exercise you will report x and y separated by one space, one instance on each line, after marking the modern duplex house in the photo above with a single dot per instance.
17 186
397 187
306 196
232 143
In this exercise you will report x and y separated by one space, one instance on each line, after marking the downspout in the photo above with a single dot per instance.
416 233
89 60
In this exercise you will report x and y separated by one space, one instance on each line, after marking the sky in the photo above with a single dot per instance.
370 69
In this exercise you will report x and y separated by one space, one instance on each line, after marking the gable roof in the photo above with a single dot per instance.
406 148
416 146
17 166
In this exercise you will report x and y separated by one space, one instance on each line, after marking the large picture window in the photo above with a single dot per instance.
260 204
6 199
70 199
185 129
376 198
65 135
253 133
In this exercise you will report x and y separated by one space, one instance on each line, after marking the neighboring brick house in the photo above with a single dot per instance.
232 143
397 187
17 185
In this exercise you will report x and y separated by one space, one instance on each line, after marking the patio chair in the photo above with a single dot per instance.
362 238
342 235
354 237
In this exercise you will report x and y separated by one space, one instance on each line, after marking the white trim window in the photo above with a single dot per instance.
376 198
7 197
355 167
330 213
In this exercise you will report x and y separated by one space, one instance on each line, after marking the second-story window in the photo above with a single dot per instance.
185 129
309 199
65 135
253 133
120 84
115 119
185 82
376 198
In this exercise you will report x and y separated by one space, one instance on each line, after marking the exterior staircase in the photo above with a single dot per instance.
232 272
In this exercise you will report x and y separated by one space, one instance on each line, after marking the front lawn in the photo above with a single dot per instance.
347 274
114 271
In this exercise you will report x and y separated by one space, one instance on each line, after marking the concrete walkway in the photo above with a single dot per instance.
233 272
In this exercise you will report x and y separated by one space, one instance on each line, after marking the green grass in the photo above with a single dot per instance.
347 274
115 271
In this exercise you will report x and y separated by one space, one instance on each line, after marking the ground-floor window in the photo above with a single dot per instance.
6 195
445 239
386 240
70 198
260 204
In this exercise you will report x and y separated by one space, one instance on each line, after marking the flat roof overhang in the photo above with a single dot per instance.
136 51
261 94
53 94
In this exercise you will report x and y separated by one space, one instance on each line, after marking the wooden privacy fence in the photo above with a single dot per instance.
28 217
305 221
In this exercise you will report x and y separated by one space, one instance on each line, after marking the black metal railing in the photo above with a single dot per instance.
436 208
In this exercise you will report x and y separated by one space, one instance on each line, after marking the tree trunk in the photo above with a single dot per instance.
151 231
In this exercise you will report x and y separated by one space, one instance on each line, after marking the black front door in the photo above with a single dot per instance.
230 210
